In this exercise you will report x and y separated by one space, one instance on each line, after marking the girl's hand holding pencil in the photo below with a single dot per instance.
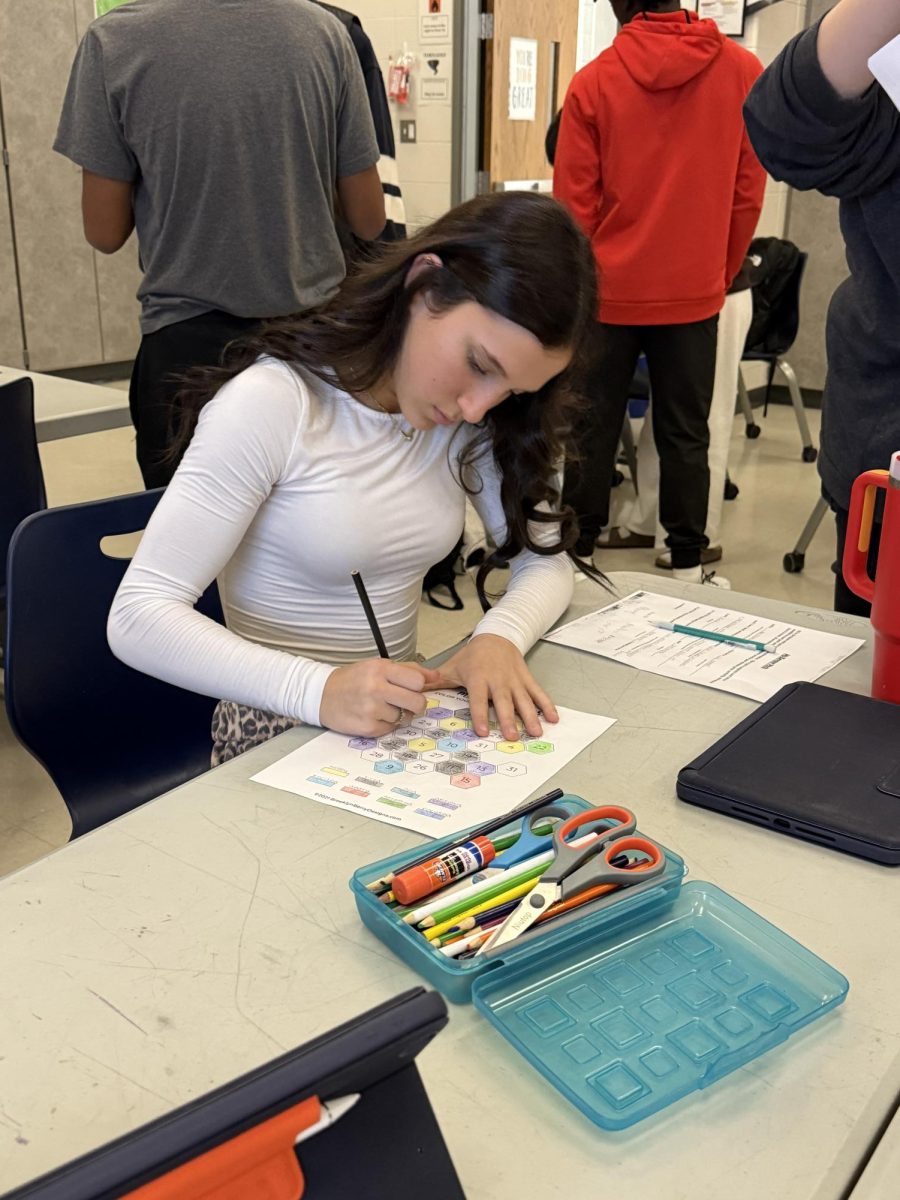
370 698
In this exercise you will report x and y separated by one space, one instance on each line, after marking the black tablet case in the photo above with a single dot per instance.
814 763
389 1141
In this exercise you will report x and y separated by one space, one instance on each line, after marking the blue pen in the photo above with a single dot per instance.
712 636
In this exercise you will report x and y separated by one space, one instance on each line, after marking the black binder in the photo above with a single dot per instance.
814 763
388 1143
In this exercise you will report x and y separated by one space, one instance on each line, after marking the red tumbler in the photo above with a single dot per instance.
883 592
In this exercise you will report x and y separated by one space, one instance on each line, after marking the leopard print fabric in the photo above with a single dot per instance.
238 727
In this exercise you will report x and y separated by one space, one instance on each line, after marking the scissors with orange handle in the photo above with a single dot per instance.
576 868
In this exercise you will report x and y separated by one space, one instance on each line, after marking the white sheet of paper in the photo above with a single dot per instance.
434 776
625 632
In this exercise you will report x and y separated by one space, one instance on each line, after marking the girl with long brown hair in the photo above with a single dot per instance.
348 438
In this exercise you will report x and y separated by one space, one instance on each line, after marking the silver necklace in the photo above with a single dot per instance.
406 434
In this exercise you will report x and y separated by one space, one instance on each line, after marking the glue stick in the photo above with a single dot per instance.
420 881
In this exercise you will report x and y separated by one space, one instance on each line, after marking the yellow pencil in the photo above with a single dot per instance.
513 894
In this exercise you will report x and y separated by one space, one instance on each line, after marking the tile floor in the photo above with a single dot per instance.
777 493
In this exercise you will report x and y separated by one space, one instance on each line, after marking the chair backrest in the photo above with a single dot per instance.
776 301
21 477
110 737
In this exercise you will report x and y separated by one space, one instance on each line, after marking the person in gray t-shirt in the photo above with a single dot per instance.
221 132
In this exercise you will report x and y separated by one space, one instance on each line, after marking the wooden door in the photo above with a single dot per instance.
529 61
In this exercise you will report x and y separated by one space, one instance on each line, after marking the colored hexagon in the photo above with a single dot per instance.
393 743
375 755
510 747
450 744
440 714
436 756
481 768
449 768
538 747
362 743
419 768
406 756
452 723
466 755
389 767
468 734
421 743
511 769
465 780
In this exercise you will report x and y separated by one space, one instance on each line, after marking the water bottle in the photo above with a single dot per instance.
883 592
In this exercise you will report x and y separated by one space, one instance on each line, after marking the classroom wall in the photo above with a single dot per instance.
424 168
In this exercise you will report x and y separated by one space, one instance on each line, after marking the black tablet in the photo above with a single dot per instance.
388 1143
814 763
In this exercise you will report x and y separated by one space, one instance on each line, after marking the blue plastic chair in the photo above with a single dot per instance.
21 478
110 737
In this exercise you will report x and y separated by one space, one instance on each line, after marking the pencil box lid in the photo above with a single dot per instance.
813 762
627 1017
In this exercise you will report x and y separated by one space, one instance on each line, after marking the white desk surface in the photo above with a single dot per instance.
881 1178
210 930
66 407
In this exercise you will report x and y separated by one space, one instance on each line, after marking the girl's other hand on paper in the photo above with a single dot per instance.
373 697
494 672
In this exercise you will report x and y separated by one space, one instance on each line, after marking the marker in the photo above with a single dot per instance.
712 636
330 1111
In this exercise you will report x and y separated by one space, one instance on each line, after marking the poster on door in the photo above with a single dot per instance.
522 78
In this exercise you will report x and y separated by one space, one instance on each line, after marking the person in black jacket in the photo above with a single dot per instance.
818 120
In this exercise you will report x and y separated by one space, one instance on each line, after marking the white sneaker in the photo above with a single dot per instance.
698 575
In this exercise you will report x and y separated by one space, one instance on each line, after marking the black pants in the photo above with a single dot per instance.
161 357
845 600
682 364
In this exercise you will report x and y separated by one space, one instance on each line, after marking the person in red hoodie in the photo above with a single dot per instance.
655 164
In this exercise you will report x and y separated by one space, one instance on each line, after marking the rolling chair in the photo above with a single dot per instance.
771 347
110 737
21 478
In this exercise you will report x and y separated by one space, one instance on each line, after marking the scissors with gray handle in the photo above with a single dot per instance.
575 869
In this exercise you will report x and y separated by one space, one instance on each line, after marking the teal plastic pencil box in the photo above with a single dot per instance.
635 1000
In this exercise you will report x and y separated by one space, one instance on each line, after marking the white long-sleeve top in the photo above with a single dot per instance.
287 486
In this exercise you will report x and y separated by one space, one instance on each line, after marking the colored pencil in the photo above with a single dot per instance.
464 945
380 885
512 893
487 888
467 923
370 613
493 894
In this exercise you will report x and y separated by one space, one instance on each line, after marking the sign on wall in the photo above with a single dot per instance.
727 14
522 78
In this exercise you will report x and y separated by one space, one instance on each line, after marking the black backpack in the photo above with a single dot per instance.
771 275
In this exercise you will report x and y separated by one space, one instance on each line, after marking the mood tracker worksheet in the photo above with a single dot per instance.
435 775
